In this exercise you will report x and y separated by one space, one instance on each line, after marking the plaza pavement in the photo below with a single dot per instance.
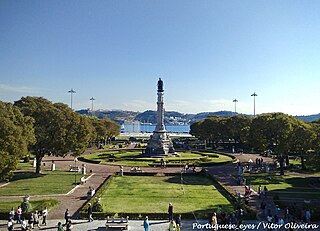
134 225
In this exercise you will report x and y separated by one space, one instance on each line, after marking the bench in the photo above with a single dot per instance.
121 223
74 169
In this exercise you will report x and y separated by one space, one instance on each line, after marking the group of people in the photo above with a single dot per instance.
188 168
221 217
174 225
274 214
27 222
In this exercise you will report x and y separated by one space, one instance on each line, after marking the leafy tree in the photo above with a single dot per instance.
301 139
272 131
105 129
238 127
211 129
16 134
58 129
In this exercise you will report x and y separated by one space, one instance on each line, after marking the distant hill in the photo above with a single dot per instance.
170 117
203 115
309 118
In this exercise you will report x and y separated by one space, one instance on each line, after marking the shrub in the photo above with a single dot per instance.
97 207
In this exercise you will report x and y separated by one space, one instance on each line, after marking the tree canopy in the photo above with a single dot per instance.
58 129
16 134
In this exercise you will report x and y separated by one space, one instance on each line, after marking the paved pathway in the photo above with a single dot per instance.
134 225
77 199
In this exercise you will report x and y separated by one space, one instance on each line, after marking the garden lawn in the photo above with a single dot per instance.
47 183
288 186
134 158
152 194
39 205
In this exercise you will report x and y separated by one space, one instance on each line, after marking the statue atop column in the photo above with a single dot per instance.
160 85
160 143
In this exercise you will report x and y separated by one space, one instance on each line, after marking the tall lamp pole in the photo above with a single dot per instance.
71 94
235 105
254 103
92 99
75 170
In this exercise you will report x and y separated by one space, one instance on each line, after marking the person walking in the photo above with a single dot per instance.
214 221
146 224
178 222
60 227
170 211
36 220
44 216
11 214
18 214
69 226
89 210
24 225
172 226
31 221
265 191
10 224
66 216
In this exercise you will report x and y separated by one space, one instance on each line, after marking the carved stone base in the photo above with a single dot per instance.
160 144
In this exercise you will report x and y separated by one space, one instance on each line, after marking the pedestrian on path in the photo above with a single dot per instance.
89 210
10 224
44 216
18 214
178 222
11 214
214 221
170 211
69 226
265 191
60 227
172 226
66 216
146 224
36 220
24 225
31 221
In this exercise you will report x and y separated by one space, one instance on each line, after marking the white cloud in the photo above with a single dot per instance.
139 105
18 89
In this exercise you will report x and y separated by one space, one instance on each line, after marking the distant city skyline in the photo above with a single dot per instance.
208 53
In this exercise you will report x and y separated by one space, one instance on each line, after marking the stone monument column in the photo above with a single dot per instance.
160 109
160 143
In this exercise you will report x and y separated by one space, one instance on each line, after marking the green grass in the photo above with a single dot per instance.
47 183
134 158
25 166
289 186
39 205
151 194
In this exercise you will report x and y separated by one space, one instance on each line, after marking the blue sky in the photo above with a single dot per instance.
207 52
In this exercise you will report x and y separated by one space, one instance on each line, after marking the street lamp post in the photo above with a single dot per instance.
92 99
254 103
235 105
75 171
71 94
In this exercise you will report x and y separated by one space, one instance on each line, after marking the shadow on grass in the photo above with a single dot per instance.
300 188
189 180
25 175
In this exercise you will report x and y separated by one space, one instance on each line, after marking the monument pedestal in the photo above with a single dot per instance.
160 145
